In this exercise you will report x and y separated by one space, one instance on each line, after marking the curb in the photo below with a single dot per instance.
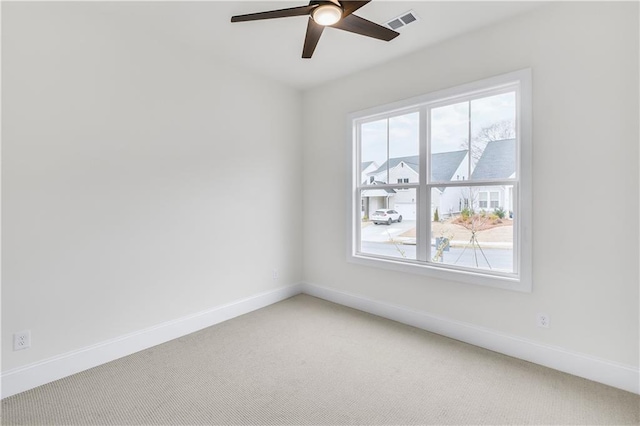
457 243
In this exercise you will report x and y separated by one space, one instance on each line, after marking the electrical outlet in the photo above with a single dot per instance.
275 275
543 320
22 340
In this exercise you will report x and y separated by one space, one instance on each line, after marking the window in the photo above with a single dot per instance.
483 200
489 199
494 200
453 182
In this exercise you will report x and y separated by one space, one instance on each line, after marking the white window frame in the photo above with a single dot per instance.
490 200
480 200
521 279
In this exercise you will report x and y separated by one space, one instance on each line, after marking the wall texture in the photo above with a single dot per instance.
584 61
141 182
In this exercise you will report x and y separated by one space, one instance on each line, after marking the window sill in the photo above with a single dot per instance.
520 284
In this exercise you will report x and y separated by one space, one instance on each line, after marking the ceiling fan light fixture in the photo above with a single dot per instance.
326 14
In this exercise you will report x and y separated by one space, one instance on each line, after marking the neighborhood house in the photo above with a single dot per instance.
497 162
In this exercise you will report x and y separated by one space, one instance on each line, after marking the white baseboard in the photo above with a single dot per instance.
607 372
599 370
30 376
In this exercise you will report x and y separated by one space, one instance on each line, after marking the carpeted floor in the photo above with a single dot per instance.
307 361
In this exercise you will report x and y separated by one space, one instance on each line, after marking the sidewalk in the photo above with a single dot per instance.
497 237
457 243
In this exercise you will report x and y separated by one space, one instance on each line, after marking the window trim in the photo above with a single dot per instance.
522 229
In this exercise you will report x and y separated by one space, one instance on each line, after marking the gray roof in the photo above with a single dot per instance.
377 192
498 160
366 164
411 161
445 164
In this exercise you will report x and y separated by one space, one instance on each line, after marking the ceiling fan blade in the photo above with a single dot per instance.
358 25
314 31
351 6
280 13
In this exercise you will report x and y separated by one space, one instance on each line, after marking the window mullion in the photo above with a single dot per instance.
388 151
423 231
469 139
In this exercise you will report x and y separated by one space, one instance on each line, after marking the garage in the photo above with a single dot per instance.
407 210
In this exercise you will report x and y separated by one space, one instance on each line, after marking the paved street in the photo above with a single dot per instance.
499 259
386 240
383 233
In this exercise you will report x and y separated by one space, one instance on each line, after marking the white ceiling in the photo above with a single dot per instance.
273 47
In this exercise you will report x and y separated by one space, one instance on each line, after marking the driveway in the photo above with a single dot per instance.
385 233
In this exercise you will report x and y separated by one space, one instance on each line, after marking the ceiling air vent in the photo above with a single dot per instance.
402 20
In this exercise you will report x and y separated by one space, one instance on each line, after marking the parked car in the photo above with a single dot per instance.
386 216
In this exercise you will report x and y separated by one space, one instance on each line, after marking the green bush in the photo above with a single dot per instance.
436 216
465 213
500 212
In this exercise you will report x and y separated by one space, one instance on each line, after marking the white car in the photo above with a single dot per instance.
386 216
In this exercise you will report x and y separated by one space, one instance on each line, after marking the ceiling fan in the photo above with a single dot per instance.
330 13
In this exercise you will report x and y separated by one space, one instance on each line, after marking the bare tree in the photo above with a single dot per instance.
474 222
497 131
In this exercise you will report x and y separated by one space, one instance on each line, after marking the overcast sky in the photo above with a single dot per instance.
449 128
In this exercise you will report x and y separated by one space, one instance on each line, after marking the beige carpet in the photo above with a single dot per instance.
307 361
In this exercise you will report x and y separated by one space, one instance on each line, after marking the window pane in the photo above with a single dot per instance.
493 130
388 225
450 143
469 235
403 147
373 152
495 200
482 200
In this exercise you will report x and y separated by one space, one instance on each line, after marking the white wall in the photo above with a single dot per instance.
584 58
123 153
141 182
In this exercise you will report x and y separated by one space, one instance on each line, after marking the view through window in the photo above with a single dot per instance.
438 183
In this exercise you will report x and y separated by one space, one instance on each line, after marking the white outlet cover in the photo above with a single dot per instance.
22 340
543 320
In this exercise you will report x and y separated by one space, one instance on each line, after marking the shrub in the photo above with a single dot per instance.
500 212
436 216
465 213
